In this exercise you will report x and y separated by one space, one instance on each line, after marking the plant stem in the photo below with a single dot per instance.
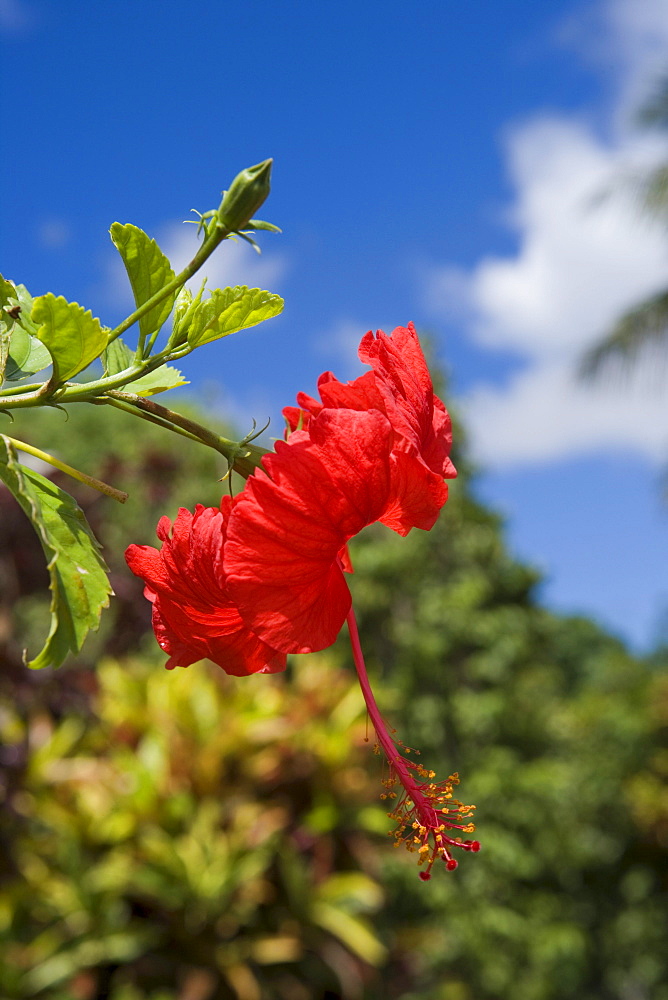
82 477
127 408
241 456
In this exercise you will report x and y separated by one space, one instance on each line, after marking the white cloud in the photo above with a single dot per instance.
544 416
584 255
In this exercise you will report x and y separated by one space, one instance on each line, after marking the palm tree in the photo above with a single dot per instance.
646 323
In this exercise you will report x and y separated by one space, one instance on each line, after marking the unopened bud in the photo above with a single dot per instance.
248 191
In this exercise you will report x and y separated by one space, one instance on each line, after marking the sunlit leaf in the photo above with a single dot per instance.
73 336
118 357
148 270
78 577
26 356
229 310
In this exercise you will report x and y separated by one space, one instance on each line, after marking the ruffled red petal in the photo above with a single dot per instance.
193 614
399 386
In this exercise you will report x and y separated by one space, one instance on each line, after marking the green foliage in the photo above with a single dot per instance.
148 270
78 577
48 330
229 310
159 479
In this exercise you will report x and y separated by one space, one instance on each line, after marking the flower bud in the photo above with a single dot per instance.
248 191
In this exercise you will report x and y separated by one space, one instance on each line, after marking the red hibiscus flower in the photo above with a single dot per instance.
264 575
193 615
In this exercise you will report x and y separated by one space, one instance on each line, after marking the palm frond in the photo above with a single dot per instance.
654 191
639 328
654 112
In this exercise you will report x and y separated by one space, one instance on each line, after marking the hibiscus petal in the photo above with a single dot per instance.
417 495
403 379
193 614
321 487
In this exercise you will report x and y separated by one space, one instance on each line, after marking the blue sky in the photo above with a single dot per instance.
467 167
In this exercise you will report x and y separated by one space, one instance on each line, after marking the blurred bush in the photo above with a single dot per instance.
199 837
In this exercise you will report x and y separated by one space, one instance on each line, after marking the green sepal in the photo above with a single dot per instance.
79 584
71 333
21 353
229 310
259 224
118 357
148 270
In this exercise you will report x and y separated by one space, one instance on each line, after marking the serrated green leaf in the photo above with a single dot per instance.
148 270
118 357
21 354
72 334
163 378
229 310
79 584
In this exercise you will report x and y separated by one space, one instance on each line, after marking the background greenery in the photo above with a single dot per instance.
193 836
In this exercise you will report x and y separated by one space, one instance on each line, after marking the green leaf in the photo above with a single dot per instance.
26 356
21 354
353 931
148 270
79 584
229 310
118 357
163 378
73 336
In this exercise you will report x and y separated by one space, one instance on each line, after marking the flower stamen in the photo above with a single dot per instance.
425 809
